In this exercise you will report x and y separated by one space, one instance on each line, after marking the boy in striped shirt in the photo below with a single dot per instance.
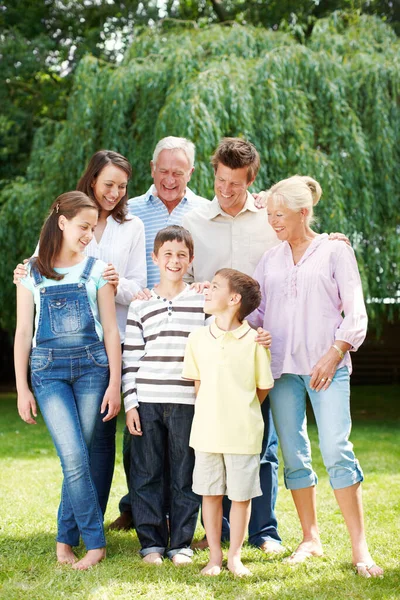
159 404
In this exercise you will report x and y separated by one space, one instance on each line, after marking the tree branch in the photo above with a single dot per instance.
220 10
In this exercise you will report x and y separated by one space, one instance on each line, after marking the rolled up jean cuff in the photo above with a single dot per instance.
184 551
146 551
300 483
349 479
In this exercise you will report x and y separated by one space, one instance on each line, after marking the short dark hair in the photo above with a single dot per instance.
99 160
172 233
236 153
246 286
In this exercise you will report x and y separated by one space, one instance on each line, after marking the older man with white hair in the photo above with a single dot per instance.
168 199
165 203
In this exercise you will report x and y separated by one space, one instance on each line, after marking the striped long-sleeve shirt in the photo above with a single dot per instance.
155 341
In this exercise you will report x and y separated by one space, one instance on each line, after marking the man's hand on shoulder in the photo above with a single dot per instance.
339 236
259 200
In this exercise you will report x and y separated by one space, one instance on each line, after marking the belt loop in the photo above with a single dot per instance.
50 355
87 351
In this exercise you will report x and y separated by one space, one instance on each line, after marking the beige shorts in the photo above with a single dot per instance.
234 475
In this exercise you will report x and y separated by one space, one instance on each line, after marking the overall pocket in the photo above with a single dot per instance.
64 316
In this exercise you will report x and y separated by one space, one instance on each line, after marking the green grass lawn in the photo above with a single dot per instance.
30 478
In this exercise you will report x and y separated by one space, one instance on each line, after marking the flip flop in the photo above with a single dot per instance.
363 569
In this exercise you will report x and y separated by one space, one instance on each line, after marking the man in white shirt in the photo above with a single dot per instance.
231 232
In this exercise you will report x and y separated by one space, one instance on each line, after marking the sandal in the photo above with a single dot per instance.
363 569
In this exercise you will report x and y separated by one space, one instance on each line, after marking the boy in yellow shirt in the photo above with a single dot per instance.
232 377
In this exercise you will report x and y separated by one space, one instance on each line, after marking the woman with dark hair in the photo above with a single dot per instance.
118 241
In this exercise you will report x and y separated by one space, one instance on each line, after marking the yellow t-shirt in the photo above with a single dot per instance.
230 366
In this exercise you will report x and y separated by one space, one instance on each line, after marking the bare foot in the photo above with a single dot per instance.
368 569
154 558
212 569
200 545
271 547
236 567
91 558
65 556
304 551
181 559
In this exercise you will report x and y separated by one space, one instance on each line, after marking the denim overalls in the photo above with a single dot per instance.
70 374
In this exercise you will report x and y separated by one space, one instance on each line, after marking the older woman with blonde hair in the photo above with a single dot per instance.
307 284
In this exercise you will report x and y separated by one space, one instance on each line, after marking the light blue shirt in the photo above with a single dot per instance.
155 216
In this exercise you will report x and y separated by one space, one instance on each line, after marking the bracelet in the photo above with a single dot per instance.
338 350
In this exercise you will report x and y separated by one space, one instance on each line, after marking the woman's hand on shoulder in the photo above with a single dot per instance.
20 271
264 338
27 409
111 275
112 400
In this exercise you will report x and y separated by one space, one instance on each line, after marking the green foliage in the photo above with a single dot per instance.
327 108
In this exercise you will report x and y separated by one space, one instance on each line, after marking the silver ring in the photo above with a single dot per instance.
323 379
329 379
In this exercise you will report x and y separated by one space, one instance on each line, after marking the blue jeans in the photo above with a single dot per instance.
102 458
166 428
263 525
69 386
332 414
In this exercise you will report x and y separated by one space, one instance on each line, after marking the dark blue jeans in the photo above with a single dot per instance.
166 428
125 502
102 458
263 525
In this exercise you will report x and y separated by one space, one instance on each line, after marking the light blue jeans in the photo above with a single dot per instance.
69 386
332 414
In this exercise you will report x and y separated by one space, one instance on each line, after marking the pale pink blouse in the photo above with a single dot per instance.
308 306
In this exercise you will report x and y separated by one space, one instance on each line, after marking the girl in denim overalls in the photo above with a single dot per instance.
74 375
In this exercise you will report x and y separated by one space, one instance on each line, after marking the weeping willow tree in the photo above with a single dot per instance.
328 108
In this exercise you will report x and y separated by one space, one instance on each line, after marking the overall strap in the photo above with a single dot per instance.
88 269
37 277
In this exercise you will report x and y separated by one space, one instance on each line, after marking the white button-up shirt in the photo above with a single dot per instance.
221 240
123 245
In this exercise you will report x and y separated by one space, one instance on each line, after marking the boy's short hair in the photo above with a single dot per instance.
172 233
236 153
246 286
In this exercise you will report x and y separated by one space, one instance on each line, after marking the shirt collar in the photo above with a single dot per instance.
215 208
151 194
238 333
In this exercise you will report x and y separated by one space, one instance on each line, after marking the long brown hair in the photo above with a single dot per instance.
99 160
69 205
